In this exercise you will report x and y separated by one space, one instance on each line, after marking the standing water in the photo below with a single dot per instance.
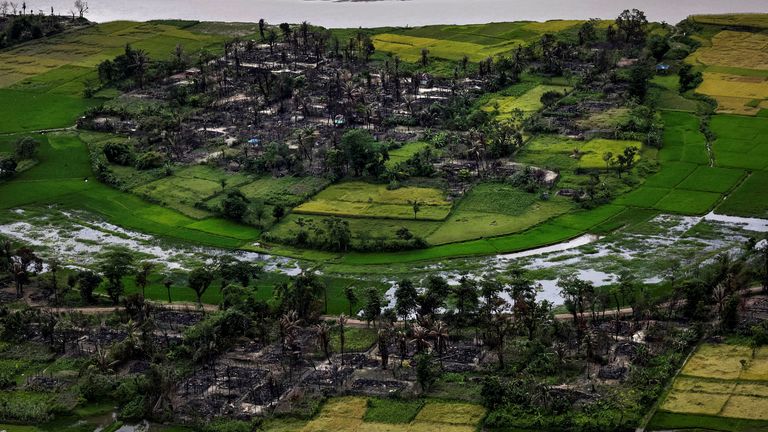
378 13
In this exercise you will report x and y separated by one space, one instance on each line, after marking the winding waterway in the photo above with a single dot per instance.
379 13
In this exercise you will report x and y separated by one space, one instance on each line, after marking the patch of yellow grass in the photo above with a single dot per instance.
360 199
685 384
333 424
352 407
756 20
528 102
735 105
751 389
694 403
383 427
439 427
717 361
757 370
553 26
409 47
719 84
451 413
736 49
746 407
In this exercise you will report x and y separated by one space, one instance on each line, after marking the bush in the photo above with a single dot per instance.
26 148
230 426
149 160
95 386
119 153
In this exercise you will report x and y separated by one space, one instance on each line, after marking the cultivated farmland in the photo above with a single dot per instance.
358 199
475 41
43 82
719 381
355 414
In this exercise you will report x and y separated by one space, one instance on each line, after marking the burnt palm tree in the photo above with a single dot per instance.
342 322
420 335
383 345
439 332
323 334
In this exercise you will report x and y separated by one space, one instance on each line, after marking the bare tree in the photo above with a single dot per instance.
4 7
81 7
14 7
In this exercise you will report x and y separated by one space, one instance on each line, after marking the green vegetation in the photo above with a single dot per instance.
748 198
392 410
64 177
358 199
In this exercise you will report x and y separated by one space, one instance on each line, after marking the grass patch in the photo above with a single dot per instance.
644 197
405 152
749 198
670 175
709 179
688 202
392 410
28 111
529 102
451 413
359 199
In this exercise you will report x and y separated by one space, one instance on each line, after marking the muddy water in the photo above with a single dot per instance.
377 13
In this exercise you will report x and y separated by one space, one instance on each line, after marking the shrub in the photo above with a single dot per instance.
119 153
26 148
149 160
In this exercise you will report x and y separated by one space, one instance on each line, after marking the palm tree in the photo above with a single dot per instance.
323 333
420 336
342 322
402 345
140 66
383 344
142 276
168 282
439 332
53 267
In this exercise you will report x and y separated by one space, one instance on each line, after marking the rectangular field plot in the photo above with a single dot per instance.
749 407
405 152
409 47
288 191
694 403
644 196
683 141
528 102
451 413
188 187
717 361
742 142
670 175
736 49
359 199
493 209
688 202
355 414
712 179
560 152
719 382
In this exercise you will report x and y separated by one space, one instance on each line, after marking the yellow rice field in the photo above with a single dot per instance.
735 94
722 380
346 415
736 49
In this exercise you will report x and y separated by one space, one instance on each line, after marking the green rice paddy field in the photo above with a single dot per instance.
491 218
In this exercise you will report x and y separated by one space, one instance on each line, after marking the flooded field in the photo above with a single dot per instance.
646 250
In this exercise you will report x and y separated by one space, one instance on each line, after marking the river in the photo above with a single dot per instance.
378 13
